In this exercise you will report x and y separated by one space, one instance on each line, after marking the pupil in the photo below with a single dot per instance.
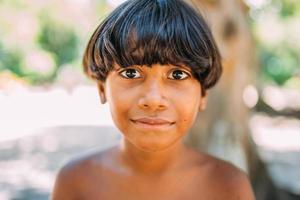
130 73
177 74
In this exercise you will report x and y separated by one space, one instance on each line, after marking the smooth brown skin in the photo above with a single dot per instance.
151 162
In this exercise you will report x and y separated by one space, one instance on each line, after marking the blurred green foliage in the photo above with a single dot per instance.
289 8
279 64
279 57
59 40
10 60
46 36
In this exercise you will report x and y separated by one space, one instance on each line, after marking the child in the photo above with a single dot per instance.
153 61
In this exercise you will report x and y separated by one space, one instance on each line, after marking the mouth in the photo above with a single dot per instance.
153 123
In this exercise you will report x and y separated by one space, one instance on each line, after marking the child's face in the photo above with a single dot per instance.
153 107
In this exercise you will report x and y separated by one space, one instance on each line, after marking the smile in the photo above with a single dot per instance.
153 124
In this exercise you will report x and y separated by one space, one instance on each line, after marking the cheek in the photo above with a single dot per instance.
120 101
187 106
117 102
188 115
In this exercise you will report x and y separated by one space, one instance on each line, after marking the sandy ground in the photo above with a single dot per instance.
28 166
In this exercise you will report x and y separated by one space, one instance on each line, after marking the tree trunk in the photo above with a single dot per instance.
223 130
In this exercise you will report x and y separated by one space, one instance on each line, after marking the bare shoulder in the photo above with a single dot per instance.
76 174
226 180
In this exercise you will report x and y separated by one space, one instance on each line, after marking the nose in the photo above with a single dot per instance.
153 96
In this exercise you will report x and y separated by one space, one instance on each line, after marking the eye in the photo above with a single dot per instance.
178 75
130 74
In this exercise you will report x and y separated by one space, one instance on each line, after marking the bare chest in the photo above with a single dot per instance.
112 188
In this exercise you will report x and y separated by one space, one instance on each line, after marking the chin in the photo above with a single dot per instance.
154 147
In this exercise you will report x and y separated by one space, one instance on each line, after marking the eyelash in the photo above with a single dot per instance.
186 73
126 70
121 73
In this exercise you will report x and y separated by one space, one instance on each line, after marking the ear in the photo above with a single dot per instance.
101 91
203 102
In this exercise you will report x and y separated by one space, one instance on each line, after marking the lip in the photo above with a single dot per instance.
153 123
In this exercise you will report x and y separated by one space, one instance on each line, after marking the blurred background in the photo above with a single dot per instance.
50 112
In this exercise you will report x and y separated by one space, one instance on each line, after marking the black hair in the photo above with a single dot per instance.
147 32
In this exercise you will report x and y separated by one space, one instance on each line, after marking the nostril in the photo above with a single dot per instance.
146 103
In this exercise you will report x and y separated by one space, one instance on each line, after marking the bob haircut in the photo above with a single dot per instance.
147 32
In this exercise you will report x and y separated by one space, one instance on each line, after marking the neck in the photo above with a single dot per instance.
154 162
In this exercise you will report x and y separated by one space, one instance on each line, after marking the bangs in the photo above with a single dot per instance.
158 36
148 32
